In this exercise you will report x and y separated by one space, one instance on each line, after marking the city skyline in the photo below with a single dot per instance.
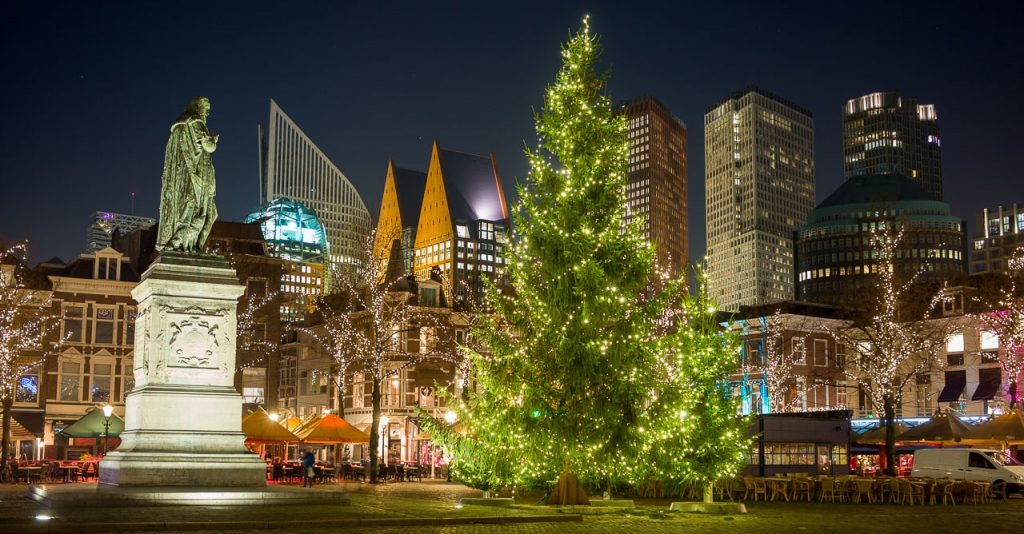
91 111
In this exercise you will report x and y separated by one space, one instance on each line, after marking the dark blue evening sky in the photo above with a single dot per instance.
92 87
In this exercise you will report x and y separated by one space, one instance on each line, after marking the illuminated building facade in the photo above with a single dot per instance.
104 223
656 188
999 233
399 218
291 166
293 232
886 134
835 258
463 223
759 165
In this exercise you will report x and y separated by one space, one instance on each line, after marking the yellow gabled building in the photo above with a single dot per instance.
463 222
398 219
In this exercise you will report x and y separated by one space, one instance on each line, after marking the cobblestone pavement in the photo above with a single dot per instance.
436 499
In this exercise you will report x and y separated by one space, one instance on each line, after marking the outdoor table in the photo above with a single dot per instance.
69 471
412 471
31 471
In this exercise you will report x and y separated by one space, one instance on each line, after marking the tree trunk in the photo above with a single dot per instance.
5 439
709 492
375 431
889 420
1013 395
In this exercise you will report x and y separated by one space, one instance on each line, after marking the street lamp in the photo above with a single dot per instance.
108 410
383 426
274 416
450 417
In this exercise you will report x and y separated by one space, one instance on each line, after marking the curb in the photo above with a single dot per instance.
48 527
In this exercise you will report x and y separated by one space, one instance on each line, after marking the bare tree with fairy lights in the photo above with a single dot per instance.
26 318
895 337
363 322
1006 320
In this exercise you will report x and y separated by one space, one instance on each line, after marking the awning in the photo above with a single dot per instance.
989 381
955 383
32 421
93 425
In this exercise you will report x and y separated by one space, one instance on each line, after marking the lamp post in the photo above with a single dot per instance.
108 410
383 427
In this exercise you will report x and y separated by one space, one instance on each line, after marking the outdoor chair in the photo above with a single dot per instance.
88 471
911 493
802 488
399 472
17 474
721 490
944 489
977 492
997 490
52 472
830 491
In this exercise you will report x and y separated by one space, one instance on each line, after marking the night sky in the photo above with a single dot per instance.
91 88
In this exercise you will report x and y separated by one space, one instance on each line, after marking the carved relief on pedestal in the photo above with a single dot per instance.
194 343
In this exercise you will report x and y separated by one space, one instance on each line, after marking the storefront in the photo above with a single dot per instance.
809 443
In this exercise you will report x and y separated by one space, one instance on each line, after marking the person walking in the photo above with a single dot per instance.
308 473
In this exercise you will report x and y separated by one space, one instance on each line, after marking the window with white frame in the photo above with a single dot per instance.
358 390
799 351
103 324
393 392
821 353
73 323
101 383
800 403
129 326
70 380
27 389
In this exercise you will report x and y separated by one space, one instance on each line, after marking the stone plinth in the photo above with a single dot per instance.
183 419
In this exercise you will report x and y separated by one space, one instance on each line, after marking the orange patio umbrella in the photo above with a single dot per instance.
332 429
258 427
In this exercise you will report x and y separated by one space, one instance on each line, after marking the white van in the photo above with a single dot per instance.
970 464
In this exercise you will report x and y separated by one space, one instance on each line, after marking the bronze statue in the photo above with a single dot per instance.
187 210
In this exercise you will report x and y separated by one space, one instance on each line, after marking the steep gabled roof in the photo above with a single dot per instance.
409 185
473 186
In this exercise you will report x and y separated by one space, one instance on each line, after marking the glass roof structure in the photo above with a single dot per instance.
292 231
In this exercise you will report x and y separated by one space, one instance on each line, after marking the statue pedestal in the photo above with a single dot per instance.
183 419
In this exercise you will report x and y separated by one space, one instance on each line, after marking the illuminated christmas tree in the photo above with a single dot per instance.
584 368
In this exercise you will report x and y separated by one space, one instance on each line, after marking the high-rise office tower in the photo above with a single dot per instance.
886 134
656 188
104 223
759 177
292 167
998 235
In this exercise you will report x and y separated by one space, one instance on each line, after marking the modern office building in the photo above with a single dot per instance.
104 223
836 256
656 188
999 232
399 216
291 166
759 165
462 229
884 133
293 232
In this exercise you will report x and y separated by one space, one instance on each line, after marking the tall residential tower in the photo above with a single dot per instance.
656 189
759 176
292 167
886 134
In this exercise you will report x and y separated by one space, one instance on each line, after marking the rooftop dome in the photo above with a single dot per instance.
876 189
292 230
